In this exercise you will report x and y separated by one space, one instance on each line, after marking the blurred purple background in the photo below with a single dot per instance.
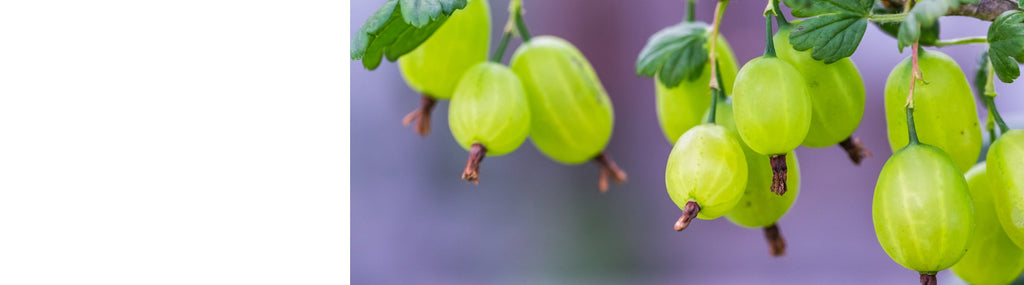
534 221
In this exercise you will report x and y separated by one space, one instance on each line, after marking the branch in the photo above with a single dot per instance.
986 10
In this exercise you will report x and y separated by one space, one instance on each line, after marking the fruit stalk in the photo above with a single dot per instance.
991 105
517 9
714 106
476 156
769 48
929 279
716 94
776 243
690 10
689 212
779 170
608 168
855 149
779 17
989 95
421 116
500 52
915 74
911 129
991 131
716 81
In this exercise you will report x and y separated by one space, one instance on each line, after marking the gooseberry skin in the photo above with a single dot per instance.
922 209
682 107
489 107
943 108
771 106
836 91
435 67
759 207
707 166
992 258
572 116
1005 162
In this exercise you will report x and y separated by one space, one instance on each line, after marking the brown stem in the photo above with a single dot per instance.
776 243
689 212
929 279
608 168
855 149
421 115
986 10
779 173
476 156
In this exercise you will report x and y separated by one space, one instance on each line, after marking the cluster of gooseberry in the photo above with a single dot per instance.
550 94
735 129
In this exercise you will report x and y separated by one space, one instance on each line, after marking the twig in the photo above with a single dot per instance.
986 10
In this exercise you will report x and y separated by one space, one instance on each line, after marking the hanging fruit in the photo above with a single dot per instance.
837 96
991 258
571 115
772 108
489 114
944 106
434 68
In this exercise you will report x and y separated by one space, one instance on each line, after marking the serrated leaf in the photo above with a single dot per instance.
798 5
1006 44
832 37
675 53
398 27
835 30
809 8
419 13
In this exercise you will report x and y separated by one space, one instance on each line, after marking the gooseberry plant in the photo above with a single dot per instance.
734 127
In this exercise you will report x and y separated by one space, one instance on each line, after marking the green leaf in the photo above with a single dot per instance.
419 13
1006 44
675 53
398 27
798 5
809 8
835 30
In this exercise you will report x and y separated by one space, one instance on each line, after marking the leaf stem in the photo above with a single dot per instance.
517 9
962 41
500 52
887 17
